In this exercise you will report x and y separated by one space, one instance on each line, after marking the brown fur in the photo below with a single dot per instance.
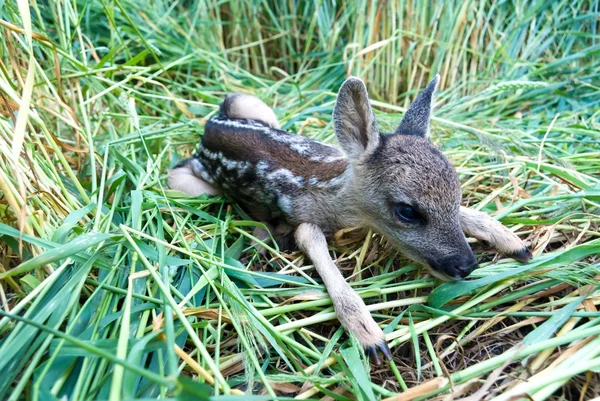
252 146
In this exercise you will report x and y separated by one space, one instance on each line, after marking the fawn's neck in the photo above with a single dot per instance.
339 206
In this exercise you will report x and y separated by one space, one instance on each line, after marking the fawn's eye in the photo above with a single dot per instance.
407 213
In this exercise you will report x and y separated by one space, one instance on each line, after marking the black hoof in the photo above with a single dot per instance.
372 351
524 255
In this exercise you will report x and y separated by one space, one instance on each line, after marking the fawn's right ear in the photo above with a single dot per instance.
353 119
416 119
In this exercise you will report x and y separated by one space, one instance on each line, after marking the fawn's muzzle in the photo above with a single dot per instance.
455 267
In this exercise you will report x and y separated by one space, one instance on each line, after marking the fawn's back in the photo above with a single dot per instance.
281 178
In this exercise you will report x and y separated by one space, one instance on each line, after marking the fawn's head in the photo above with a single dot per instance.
405 188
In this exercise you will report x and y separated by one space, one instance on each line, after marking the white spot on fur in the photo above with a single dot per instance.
199 171
301 148
286 176
221 162
233 165
327 159
262 167
285 204
211 155
277 177
331 183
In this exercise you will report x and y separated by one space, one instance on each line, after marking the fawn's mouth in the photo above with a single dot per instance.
440 274
456 266
437 273
447 269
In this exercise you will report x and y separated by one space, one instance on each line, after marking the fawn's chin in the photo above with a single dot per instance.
441 276
435 273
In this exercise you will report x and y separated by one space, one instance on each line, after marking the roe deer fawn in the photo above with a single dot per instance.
398 184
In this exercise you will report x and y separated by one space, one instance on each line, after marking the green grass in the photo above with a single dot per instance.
114 287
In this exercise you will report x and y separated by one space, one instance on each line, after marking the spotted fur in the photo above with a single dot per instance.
279 177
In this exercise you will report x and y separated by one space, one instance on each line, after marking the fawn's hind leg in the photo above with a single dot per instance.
187 177
281 233
349 307
485 228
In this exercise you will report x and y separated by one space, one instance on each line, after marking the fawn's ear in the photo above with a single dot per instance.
353 119
416 119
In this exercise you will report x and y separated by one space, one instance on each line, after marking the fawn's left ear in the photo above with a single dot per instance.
353 119
416 119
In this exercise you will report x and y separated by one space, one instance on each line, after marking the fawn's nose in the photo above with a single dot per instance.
456 267
463 270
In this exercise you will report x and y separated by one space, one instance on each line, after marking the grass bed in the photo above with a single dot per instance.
115 287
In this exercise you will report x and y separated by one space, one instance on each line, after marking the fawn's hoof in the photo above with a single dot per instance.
524 255
372 352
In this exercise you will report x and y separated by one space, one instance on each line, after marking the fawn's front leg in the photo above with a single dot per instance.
349 307
485 228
